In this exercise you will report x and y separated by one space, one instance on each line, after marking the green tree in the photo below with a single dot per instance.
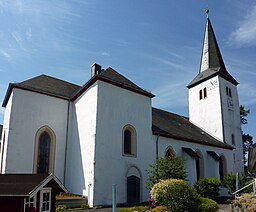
247 139
166 168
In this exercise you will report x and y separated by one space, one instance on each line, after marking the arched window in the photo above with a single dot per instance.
205 93
169 153
199 165
202 93
44 155
129 141
233 139
222 168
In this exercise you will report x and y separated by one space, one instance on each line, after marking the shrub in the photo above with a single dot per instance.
208 187
85 206
208 205
138 209
176 194
230 183
166 168
61 208
159 209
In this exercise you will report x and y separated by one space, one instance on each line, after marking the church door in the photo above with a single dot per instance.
133 190
43 153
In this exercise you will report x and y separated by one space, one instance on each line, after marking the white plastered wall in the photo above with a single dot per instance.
29 112
211 166
81 144
117 108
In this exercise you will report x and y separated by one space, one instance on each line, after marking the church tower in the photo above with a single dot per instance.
213 98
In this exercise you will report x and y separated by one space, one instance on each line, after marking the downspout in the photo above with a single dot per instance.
66 144
157 146
157 138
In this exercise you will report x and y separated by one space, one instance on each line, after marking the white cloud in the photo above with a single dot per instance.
245 34
5 55
18 38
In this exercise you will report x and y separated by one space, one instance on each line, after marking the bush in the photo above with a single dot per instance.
176 194
208 187
138 209
85 206
166 168
159 209
61 208
208 205
230 183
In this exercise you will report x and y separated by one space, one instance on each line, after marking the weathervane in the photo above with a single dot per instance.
207 12
207 9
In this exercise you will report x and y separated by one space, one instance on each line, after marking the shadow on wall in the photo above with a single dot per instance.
75 181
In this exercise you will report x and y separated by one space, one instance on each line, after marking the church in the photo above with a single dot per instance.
107 132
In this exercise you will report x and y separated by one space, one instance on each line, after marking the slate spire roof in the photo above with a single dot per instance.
212 63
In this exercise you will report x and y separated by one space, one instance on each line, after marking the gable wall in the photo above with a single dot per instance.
29 112
117 108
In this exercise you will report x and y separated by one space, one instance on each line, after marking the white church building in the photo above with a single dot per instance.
107 132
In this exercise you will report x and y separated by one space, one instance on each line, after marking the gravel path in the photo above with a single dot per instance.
225 208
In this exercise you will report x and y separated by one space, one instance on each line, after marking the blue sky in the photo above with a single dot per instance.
156 44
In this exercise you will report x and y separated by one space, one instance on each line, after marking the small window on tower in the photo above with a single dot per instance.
205 93
233 139
200 94
228 91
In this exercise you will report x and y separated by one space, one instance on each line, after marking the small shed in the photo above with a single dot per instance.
29 192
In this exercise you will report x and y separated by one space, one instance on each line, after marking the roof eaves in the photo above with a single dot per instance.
168 135
104 79
139 91
27 88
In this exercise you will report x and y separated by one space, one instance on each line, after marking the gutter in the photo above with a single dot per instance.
66 145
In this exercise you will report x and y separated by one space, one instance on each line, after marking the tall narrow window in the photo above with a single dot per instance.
233 139
199 165
129 141
205 93
44 154
200 94
228 91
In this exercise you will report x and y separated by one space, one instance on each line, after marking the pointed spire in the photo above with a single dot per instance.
211 56
212 63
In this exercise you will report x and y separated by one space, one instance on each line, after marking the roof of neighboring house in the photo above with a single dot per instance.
171 125
1 129
24 184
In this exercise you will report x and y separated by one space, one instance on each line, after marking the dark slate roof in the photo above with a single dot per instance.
46 85
1 129
113 77
27 184
216 64
19 184
171 125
